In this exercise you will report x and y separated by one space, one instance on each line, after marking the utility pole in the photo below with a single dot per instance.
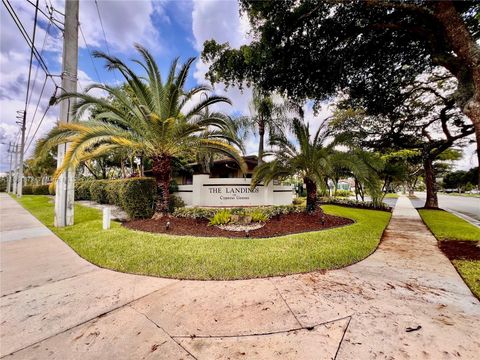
64 197
9 179
15 169
24 117
20 165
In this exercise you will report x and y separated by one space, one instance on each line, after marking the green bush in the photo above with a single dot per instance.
343 193
114 190
82 190
36 190
299 200
222 217
195 213
355 204
3 184
175 203
138 197
98 191
258 215
209 213
40 190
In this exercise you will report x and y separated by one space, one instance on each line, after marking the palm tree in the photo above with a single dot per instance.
310 159
206 157
151 119
265 115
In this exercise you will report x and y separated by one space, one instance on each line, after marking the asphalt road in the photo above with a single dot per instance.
469 206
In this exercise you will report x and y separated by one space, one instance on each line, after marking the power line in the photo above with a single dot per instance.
49 17
25 35
104 35
90 54
38 127
41 53
36 108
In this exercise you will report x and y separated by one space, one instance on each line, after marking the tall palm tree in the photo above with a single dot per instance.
206 157
151 119
266 115
310 159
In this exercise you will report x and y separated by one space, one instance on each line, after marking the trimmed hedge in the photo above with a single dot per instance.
98 191
136 196
355 204
82 190
36 190
262 212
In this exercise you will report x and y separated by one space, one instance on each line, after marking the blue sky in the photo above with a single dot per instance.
168 29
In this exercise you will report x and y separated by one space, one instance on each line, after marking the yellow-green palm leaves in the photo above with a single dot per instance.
310 159
151 116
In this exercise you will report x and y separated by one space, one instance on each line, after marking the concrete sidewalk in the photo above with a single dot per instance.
55 305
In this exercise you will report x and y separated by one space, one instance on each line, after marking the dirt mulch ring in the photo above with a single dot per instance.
460 250
285 224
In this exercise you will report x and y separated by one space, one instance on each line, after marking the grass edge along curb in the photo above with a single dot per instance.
447 226
188 257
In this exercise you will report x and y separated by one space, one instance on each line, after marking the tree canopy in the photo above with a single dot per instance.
365 49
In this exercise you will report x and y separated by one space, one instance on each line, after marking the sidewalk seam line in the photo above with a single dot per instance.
285 301
165 331
81 323
309 328
47 283
343 336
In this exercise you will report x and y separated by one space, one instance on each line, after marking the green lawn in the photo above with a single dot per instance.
462 194
446 226
392 196
191 257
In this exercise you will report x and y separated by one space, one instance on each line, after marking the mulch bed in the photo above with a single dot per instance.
460 250
282 225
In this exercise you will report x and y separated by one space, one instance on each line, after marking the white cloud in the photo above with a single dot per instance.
14 61
220 20
125 22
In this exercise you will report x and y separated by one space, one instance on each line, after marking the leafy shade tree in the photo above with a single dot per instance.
403 167
460 180
312 49
40 168
310 160
427 122
152 120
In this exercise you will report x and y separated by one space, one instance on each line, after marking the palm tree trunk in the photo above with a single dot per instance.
312 200
162 169
261 135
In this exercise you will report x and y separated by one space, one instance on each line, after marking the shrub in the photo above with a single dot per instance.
138 197
27 190
195 213
175 203
40 190
266 211
343 193
82 190
258 215
98 191
114 190
355 204
3 184
299 201
222 217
